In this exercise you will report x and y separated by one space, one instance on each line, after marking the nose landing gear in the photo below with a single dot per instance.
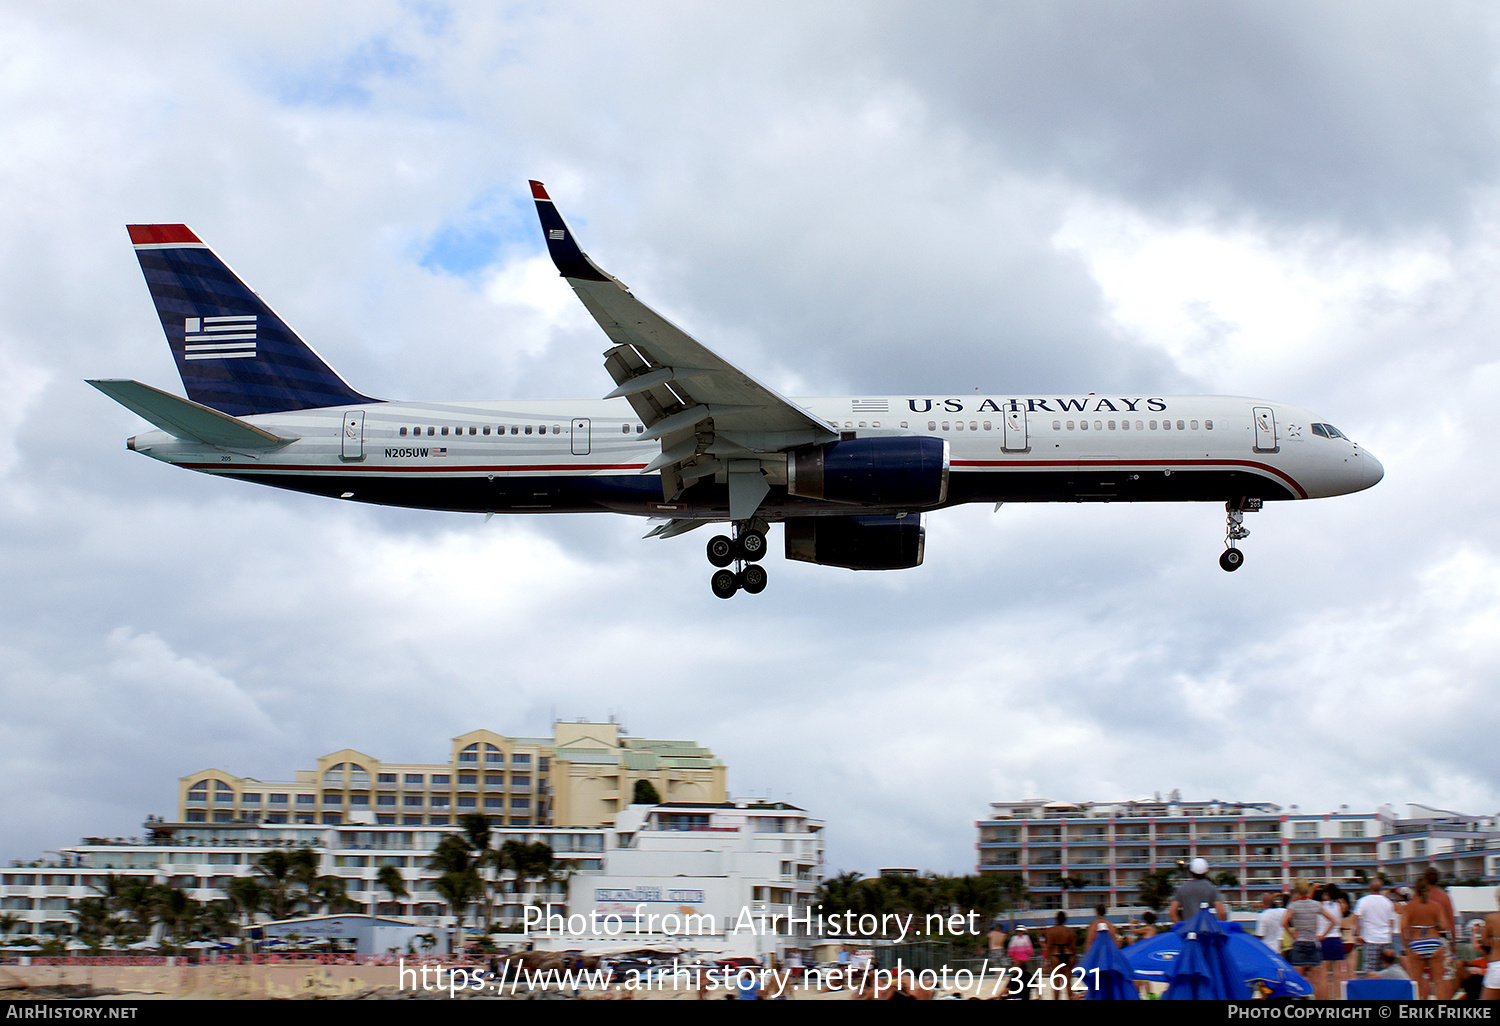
746 549
1232 558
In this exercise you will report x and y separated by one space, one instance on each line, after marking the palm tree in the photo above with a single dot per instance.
460 882
93 920
390 878
279 872
178 911
526 861
332 892
305 865
137 896
1157 887
1070 883
1013 890
476 828
248 896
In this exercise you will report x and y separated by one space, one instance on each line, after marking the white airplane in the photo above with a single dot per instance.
688 438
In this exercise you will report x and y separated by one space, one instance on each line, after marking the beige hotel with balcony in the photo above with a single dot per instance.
581 776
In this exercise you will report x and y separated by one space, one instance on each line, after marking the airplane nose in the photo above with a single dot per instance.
1373 471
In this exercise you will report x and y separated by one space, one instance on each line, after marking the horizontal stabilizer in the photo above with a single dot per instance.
184 418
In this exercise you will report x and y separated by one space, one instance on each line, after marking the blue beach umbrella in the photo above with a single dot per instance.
1254 963
1106 974
1205 971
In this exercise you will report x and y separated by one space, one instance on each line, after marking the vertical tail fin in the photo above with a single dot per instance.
234 354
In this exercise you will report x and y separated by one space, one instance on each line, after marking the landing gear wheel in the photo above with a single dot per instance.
752 546
1232 559
720 551
753 579
725 583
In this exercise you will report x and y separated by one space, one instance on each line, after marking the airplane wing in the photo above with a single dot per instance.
710 416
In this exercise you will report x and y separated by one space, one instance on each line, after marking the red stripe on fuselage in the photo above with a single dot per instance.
347 468
350 468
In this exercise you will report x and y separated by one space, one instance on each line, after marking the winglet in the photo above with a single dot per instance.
571 261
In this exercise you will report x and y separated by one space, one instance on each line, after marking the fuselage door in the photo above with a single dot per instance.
1015 431
1265 430
580 436
353 441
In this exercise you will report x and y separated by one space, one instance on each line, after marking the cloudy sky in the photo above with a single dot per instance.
1298 201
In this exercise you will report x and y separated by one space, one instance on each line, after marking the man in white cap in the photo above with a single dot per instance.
1195 893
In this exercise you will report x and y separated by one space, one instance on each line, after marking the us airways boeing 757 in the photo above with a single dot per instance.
689 439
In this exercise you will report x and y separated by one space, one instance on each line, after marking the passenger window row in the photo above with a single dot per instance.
1150 425
514 429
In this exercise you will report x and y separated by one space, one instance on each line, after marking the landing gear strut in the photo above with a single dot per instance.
1232 558
744 550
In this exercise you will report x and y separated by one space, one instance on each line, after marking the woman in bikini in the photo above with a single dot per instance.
1421 933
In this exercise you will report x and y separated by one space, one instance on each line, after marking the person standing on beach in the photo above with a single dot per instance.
1268 923
1489 946
1196 893
1062 950
1374 916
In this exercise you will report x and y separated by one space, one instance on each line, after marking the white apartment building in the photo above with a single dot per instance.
1085 853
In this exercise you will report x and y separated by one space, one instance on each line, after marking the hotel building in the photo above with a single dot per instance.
762 855
1086 853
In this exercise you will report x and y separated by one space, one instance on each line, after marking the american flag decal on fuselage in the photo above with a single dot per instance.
219 338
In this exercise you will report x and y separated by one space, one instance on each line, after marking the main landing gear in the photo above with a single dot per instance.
745 550
1232 558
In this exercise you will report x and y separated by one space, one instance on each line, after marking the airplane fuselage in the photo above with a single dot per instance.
568 456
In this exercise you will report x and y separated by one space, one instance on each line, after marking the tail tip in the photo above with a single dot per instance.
160 234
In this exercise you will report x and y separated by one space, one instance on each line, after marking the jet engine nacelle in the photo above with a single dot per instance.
857 543
872 471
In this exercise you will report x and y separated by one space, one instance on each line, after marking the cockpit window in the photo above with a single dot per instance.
1320 431
1328 431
